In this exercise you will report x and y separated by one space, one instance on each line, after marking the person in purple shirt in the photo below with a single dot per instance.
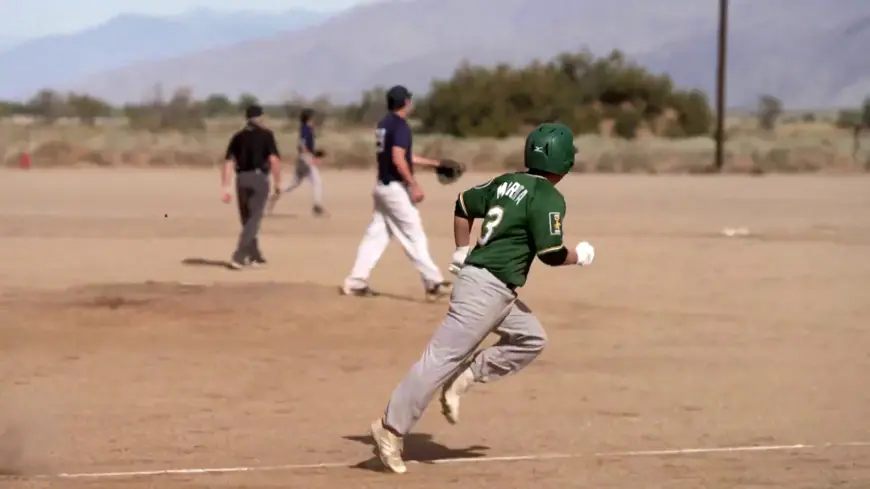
396 196
307 164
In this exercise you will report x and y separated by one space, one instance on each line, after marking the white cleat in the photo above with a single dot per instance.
453 390
364 291
389 448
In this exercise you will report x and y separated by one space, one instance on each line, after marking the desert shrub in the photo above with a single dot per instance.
626 124
769 110
499 101
180 113
848 119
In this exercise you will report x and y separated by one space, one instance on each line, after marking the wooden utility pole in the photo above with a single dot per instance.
721 75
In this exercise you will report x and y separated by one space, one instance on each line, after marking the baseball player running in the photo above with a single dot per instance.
522 216
396 195
307 163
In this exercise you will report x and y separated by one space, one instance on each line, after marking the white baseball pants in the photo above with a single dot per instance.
305 169
394 216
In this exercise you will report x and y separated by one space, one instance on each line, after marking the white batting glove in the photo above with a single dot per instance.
585 254
458 259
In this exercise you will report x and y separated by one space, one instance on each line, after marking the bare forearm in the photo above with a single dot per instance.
462 231
275 169
422 161
404 171
572 258
226 173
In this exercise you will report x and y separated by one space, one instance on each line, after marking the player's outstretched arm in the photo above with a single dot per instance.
423 161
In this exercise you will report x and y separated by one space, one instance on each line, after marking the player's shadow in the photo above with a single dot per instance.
205 262
281 216
418 447
398 297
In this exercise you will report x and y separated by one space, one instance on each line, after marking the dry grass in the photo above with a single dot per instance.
795 147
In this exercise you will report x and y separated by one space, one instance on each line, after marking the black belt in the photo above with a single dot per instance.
255 170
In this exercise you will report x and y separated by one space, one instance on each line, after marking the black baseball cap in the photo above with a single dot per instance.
397 97
253 111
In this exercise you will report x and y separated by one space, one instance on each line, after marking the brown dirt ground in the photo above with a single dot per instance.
116 356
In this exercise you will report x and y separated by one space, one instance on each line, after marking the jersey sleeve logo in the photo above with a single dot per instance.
555 224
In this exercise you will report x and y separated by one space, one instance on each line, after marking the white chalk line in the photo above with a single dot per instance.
464 460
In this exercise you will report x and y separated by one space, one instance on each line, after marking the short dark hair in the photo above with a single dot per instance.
253 111
306 115
397 97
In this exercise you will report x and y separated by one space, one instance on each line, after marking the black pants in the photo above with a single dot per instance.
252 192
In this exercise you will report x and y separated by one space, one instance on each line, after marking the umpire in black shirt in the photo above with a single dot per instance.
253 154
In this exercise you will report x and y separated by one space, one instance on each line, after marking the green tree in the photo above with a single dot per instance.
370 108
626 124
865 112
577 89
246 100
216 105
695 117
849 119
48 105
182 112
769 110
87 108
8 109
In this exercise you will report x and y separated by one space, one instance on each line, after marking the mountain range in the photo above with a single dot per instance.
806 52
58 61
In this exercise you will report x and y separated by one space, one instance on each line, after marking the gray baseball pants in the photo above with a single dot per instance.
479 304
252 193
304 169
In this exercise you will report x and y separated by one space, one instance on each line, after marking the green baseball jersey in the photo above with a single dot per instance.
522 218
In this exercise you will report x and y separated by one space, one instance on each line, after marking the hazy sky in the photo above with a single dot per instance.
32 18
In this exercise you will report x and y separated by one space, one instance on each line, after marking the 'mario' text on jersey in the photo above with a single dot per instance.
512 190
522 218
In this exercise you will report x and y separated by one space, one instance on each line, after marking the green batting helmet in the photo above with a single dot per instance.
550 148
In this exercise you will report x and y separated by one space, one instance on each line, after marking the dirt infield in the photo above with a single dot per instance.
121 349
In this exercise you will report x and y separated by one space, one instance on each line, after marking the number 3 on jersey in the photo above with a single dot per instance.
493 218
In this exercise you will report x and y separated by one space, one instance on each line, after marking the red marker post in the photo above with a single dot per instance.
25 161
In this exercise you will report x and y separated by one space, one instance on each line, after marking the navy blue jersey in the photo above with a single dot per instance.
306 139
393 132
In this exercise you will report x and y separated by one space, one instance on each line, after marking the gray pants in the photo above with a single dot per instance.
252 191
305 169
479 304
